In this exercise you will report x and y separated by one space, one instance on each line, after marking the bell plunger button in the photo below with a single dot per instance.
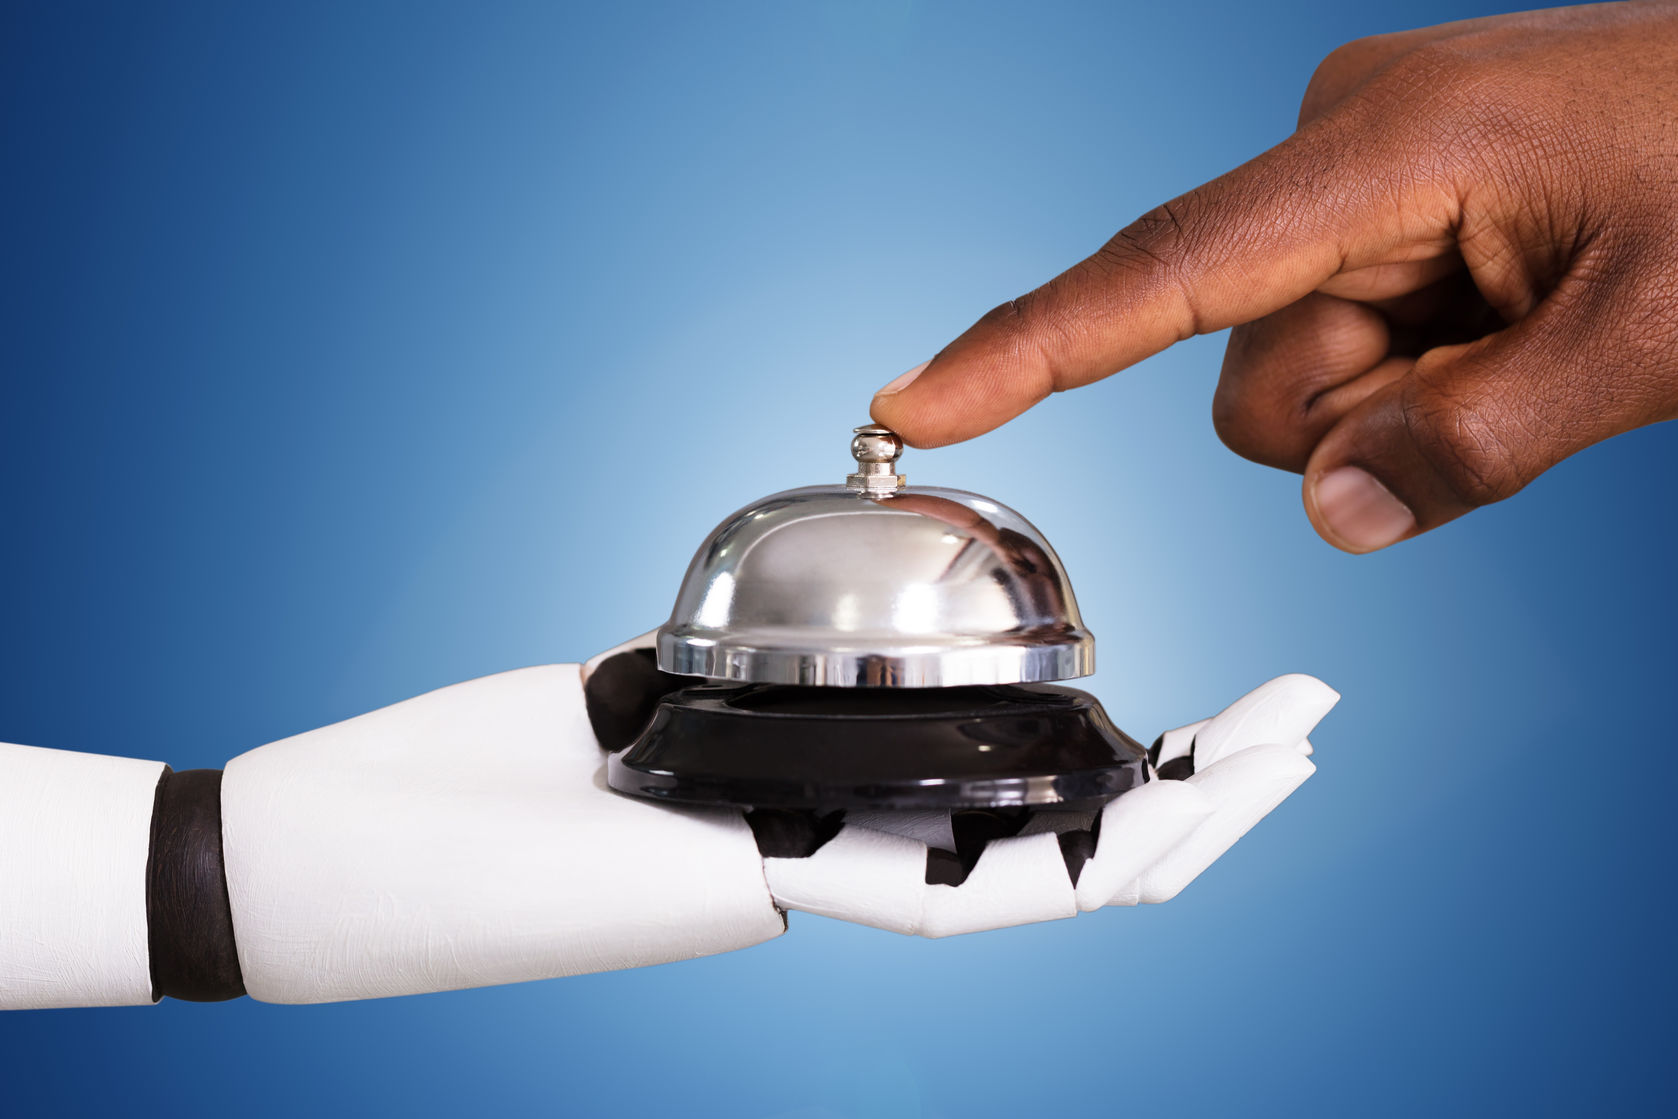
876 450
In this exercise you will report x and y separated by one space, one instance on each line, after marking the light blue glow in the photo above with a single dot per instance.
351 350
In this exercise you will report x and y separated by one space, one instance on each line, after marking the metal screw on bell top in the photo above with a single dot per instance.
876 449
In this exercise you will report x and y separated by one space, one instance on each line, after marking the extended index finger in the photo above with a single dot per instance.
1236 249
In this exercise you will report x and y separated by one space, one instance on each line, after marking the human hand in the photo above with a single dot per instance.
1461 269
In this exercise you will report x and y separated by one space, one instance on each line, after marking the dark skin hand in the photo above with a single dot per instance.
1459 270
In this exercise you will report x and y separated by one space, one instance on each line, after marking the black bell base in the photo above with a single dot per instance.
778 746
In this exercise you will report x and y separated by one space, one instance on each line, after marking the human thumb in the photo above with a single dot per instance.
1472 424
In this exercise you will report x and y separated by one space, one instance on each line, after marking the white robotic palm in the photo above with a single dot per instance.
466 837
1149 843
892 654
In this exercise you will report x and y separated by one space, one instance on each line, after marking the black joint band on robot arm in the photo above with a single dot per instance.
189 920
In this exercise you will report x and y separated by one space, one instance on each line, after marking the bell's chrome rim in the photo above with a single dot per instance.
1026 659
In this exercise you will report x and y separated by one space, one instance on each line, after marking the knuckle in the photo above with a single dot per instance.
1009 319
1157 236
1457 96
1447 110
1009 326
1440 62
1420 91
1343 68
1022 335
1464 438
1433 72
1151 254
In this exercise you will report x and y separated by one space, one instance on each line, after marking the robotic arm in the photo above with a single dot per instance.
467 837
861 645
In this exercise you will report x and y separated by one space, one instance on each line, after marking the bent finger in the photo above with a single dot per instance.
1278 369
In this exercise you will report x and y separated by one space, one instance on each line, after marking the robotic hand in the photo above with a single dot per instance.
933 874
864 643
467 837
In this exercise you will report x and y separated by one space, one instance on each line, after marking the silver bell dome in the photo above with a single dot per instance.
875 584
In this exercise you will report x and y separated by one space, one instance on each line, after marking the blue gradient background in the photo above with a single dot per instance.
354 350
